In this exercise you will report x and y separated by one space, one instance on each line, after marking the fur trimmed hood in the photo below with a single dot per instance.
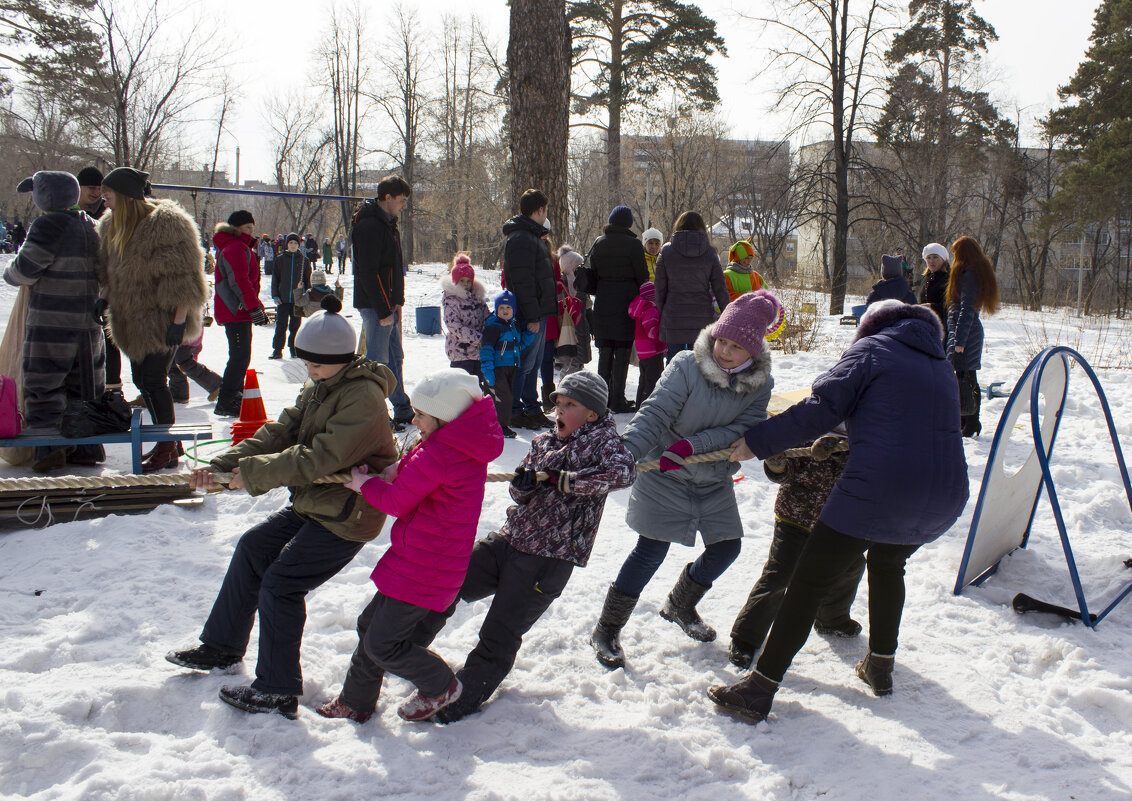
450 287
885 313
750 380
225 228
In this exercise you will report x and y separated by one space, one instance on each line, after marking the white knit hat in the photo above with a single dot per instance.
936 249
652 233
326 338
446 394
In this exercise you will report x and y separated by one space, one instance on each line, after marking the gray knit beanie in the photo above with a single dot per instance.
588 389
326 338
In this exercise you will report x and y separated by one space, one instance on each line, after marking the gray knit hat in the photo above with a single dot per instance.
51 190
326 338
588 389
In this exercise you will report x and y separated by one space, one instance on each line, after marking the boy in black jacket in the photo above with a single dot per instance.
290 274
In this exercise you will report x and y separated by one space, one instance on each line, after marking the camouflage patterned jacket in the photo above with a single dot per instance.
546 522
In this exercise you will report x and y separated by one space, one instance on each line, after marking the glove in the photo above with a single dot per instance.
562 480
673 458
98 311
358 476
259 316
174 334
525 479
775 464
826 446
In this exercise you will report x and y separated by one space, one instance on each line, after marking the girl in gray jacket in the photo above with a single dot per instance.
702 399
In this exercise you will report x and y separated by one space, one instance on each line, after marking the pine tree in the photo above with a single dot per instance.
1095 123
47 39
938 126
631 49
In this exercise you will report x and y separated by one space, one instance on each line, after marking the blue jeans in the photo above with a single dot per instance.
526 377
646 557
275 564
383 344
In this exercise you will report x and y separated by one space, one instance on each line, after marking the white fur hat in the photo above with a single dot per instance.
936 249
446 394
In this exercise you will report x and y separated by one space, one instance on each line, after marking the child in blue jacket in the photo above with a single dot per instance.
503 342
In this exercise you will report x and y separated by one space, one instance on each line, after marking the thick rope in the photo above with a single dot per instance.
178 480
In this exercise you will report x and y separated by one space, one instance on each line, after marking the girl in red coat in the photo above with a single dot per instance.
435 492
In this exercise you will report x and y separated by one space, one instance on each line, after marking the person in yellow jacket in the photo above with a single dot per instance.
740 275
652 239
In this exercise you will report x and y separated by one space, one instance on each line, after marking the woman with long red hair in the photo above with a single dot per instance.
972 290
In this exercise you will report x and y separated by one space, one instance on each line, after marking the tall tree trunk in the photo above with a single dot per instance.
616 89
538 63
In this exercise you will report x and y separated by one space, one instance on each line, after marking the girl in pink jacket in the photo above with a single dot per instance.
650 350
435 492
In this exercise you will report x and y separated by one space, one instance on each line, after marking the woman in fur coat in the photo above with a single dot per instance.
704 397
465 312
151 271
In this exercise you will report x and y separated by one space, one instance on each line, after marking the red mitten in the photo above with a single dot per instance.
673 458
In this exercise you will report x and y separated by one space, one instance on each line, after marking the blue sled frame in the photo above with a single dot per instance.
1038 366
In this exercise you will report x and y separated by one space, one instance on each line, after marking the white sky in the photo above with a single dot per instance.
1040 44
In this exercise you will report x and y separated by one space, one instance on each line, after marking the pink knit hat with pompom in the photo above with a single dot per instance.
462 269
751 319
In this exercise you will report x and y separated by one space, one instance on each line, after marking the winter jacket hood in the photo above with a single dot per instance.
334 425
905 480
690 244
689 285
437 498
160 270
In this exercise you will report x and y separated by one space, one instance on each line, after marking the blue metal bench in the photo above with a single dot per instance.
136 436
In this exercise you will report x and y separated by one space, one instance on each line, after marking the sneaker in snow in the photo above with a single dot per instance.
423 707
251 700
337 709
203 657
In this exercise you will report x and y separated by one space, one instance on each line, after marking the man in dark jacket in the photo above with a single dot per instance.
528 272
379 282
292 270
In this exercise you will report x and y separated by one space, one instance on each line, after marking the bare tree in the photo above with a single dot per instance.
346 67
538 66
831 57
406 105
157 68
304 158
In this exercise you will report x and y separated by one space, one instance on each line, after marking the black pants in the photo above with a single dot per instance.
393 636
239 357
274 566
471 366
758 613
824 559
524 587
969 423
284 321
113 362
151 376
504 393
650 368
613 359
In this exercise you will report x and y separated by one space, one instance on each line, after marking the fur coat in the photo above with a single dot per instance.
162 270
694 400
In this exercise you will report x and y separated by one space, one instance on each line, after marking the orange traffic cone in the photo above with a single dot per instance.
252 413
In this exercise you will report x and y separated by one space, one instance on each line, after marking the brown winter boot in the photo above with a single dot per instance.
749 699
163 456
876 671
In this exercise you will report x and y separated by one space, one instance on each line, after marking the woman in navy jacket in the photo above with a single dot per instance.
971 289
904 485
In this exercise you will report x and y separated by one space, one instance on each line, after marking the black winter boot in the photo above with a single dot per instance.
876 671
741 654
614 615
680 607
547 403
619 376
749 699
203 657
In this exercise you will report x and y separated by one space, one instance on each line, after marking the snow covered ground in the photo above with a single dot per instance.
988 704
